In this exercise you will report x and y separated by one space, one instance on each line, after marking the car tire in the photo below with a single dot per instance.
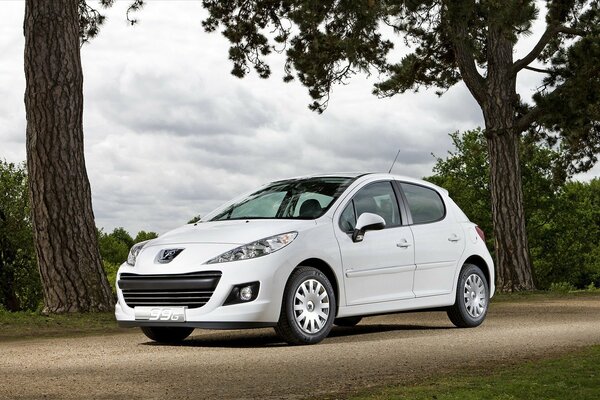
167 334
472 298
308 308
347 321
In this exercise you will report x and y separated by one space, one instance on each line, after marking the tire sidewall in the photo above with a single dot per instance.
468 270
289 296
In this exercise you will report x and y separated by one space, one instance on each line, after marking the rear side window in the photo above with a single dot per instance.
425 204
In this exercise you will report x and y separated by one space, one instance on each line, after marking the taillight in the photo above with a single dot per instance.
480 233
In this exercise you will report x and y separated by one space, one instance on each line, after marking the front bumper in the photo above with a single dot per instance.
270 271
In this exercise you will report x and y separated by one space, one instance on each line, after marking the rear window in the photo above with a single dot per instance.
425 204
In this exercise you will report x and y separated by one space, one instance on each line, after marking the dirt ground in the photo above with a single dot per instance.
392 349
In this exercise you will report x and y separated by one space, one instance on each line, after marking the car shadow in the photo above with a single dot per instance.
268 338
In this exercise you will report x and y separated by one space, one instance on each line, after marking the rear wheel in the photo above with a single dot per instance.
166 334
472 298
347 321
308 307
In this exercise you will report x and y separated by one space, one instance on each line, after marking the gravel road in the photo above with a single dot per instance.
254 364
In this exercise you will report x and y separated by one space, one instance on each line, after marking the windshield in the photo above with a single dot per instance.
306 198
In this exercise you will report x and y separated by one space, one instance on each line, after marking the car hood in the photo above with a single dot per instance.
231 232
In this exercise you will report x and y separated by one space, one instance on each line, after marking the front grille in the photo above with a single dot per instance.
169 290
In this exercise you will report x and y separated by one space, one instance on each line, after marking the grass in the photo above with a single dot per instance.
27 325
541 295
575 376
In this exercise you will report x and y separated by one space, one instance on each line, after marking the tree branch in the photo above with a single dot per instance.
540 70
551 31
526 120
535 112
466 63
572 31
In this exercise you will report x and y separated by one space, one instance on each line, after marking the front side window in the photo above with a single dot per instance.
305 198
425 204
348 218
377 198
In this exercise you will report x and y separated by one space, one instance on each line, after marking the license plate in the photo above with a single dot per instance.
162 314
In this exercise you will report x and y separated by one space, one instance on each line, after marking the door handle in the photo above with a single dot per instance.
454 238
403 243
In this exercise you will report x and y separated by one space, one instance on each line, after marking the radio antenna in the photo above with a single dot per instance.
395 158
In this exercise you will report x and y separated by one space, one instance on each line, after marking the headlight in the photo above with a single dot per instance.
135 250
259 248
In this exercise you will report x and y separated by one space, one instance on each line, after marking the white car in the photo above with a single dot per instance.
303 254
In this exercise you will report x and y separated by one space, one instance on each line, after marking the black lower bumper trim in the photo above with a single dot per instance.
201 325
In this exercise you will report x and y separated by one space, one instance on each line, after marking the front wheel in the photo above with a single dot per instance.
166 334
308 307
472 298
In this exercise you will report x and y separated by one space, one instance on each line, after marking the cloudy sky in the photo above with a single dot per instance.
170 134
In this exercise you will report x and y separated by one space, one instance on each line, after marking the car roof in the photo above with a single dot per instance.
369 176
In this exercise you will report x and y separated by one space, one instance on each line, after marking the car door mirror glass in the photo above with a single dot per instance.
367 222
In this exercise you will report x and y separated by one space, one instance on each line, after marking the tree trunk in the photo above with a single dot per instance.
513 261
65 236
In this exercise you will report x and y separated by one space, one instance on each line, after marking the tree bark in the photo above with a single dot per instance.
65 235
513 263
513 259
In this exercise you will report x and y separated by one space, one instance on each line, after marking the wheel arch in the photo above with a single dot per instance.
480 262
326 269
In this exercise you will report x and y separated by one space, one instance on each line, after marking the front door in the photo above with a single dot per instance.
381 267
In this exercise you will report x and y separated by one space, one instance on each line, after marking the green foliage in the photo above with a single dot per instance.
568 244
333 39
562 287
143 236
111 274
563 217
575 122
114 246
91 19
20 286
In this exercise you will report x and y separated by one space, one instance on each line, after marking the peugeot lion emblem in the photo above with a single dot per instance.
167 255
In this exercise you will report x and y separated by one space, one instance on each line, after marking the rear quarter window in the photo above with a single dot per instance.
425 204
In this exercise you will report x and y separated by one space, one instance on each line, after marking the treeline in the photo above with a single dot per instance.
563 216
20 286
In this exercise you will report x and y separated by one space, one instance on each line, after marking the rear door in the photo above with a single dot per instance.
439 240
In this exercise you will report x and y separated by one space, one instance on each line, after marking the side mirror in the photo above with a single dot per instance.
367 222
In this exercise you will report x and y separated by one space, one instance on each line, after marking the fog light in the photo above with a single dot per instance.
243 293
246 293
